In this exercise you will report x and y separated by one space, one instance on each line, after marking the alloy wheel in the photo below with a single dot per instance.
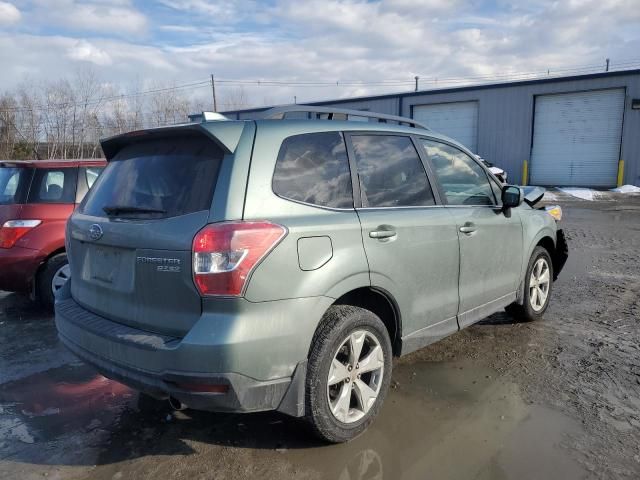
355 376
60 278
539 284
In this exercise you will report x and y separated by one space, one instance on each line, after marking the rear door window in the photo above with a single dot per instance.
55 185
14 183
390 171
313 168
158 178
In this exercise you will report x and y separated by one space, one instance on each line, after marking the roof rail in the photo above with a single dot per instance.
328 113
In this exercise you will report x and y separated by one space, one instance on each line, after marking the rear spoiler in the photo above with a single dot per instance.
533 195
225 134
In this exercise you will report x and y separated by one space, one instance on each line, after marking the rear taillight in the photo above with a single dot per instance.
13 230
224 254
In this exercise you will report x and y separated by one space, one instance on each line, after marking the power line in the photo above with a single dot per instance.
109 99
424 79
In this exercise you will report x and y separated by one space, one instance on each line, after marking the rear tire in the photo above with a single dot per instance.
532 307
343 399
53 269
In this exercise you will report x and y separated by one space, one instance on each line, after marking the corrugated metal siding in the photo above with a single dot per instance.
576 138
384 105
505 117
505 120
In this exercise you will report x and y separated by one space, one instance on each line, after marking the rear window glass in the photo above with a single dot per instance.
313 168
56 185
13 184
158 178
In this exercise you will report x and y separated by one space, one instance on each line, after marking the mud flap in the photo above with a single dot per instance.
560 254
293 401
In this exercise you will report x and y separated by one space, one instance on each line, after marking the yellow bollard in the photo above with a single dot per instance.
525 173
620 173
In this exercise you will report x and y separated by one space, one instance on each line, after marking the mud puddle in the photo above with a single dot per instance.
57 419
440 420
454 421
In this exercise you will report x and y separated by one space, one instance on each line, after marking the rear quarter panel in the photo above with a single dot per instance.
49 235
280 275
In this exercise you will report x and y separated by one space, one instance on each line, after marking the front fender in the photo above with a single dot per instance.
536 225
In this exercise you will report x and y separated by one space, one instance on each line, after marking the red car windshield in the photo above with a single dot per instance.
14 183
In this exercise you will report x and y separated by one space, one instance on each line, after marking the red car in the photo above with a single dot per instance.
36 198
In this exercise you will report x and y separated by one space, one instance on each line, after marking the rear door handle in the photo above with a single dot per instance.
382 233
468 228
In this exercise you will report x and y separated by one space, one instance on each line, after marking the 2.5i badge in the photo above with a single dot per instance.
162 264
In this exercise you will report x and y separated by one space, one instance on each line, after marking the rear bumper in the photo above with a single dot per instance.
18 267
159 365
244 394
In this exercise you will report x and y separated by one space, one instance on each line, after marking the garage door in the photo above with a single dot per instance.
456 120
576 138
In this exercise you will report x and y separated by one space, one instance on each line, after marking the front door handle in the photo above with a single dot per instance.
468 228
383 231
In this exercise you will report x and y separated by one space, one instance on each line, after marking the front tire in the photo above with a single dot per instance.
537 288
348 373
51 278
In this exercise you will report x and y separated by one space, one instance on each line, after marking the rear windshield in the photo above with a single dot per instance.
157 178
14 184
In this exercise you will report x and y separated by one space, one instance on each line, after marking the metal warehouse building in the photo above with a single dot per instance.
570 131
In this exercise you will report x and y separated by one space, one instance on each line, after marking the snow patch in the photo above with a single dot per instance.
583 193
626 189
14 428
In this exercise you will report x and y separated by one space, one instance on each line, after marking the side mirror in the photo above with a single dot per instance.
511 196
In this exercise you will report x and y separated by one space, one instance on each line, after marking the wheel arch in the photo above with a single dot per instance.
543 239
546 238
381 303
42 265
547 243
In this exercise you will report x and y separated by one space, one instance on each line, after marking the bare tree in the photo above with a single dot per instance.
168 107
29 119
65 118
8 130
235 98
89 94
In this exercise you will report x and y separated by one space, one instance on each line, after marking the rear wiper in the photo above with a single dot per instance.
115 210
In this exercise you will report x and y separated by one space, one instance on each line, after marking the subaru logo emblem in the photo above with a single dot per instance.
95 232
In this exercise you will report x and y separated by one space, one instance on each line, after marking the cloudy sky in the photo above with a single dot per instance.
349 41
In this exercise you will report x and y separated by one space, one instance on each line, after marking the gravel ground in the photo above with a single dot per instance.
502 399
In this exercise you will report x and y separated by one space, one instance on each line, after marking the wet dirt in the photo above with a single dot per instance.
503 399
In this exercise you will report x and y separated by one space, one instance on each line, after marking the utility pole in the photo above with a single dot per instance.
417 78
607 65
213 90
295 99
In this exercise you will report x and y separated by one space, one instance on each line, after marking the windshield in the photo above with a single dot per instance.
13 184
157 179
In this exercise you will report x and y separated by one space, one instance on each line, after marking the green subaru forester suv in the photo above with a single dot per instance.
280 263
